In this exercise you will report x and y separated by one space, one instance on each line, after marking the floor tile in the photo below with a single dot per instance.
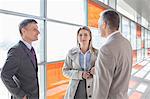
135 95
142 87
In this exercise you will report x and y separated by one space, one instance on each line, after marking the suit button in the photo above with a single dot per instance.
90 96
88 86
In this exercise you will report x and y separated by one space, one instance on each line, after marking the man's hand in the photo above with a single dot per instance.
25 97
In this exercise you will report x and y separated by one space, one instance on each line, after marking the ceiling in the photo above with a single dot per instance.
142 7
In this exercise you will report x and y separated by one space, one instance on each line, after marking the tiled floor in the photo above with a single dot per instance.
139 86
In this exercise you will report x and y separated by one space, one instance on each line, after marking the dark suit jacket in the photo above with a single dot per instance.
19 73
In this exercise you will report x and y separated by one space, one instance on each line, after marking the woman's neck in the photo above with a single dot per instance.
84 49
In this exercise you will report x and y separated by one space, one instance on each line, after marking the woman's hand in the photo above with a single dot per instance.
86 75
92 71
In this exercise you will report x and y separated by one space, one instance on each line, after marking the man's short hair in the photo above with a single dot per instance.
112 19
24 23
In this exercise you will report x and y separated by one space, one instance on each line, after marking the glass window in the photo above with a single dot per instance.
126 28
97 39
60 39
112 3
144 22
143 37
23 6
138 35
9 36
4 94
146 38
133 35
139 55
146 53
72 11
125 9
41 78
139 43
142 54
148 33
104 1
134 54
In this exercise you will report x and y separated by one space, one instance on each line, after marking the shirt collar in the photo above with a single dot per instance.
110 35
27 44
89 51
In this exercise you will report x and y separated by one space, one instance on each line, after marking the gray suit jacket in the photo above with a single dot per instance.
19 73
113 69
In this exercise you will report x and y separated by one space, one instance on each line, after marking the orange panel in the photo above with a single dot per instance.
134 55
143 43
56 82
138 67
132 83
94 11
138 29
136 95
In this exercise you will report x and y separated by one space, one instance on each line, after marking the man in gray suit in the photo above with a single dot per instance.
114 62
19 73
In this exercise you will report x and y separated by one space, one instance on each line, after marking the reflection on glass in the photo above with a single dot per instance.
72 11
60 39
133 35
126 28
25 6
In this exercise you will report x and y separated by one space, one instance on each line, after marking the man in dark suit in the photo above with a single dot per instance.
19 73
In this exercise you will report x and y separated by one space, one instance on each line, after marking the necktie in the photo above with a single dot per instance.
33 56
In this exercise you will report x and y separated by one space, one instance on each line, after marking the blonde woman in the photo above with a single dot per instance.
79 66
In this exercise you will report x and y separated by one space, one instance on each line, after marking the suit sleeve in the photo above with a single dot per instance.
9 70
104 72
69 71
